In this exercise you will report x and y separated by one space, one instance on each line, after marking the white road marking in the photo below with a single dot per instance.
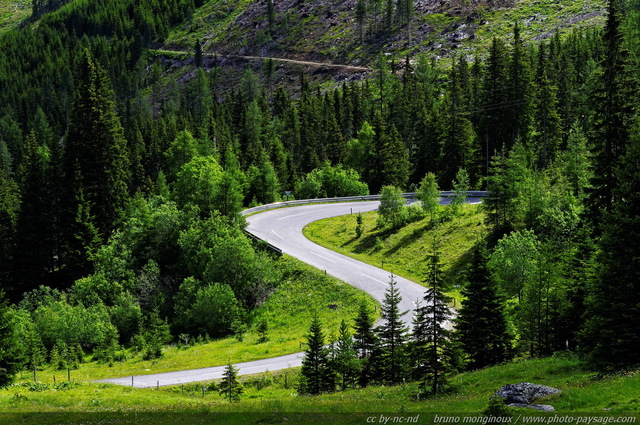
289 216
371 277
323 257
274 232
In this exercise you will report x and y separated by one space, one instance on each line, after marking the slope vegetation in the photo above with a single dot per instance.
330 31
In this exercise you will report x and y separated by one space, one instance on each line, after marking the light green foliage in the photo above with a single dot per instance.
217 252
513 262
11 354
357 149
197 183
263 328
58 320
206 310
392 208
126 316
264 187
461 186
329 182
183 149
428 194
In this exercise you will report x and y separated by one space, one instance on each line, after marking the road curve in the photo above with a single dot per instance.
283 229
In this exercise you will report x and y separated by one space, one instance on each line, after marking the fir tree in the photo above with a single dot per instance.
430 338
365 341
613 106
481 325
96 153
317 377
393 335
611 336
230 387
345 360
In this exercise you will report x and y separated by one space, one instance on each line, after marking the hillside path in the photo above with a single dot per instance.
327 65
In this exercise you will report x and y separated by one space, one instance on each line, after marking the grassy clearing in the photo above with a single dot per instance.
13 12
403 251
288 311
270 396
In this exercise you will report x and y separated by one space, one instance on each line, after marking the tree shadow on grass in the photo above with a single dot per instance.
369 243
410 238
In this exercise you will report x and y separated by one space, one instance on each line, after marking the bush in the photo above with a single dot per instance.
392 209
329 182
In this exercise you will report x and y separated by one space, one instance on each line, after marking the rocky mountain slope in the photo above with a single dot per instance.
329 30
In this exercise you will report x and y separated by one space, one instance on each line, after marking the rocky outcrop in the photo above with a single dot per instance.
525 393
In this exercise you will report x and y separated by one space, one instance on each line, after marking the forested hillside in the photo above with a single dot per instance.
122 174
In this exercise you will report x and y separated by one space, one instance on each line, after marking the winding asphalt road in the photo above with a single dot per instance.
283 229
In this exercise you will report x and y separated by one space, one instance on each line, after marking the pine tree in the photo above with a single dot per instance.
230 387
317 377
481 325
393 335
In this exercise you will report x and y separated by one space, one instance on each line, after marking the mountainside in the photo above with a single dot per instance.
331 30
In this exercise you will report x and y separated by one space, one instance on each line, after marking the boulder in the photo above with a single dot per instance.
524 392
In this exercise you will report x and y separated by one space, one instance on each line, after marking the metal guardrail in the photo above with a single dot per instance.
274 248
408 195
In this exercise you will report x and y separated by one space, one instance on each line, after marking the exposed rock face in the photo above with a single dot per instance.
524 393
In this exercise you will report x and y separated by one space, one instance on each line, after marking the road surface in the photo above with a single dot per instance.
283 229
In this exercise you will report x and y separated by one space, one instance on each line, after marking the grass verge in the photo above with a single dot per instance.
272 398
403 251
303 292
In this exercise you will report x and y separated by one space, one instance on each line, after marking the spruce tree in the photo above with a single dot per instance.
36 239
96 147
481 325
365 341
430 338
345 360
613 106
317 377
230 387
393 335
611 335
